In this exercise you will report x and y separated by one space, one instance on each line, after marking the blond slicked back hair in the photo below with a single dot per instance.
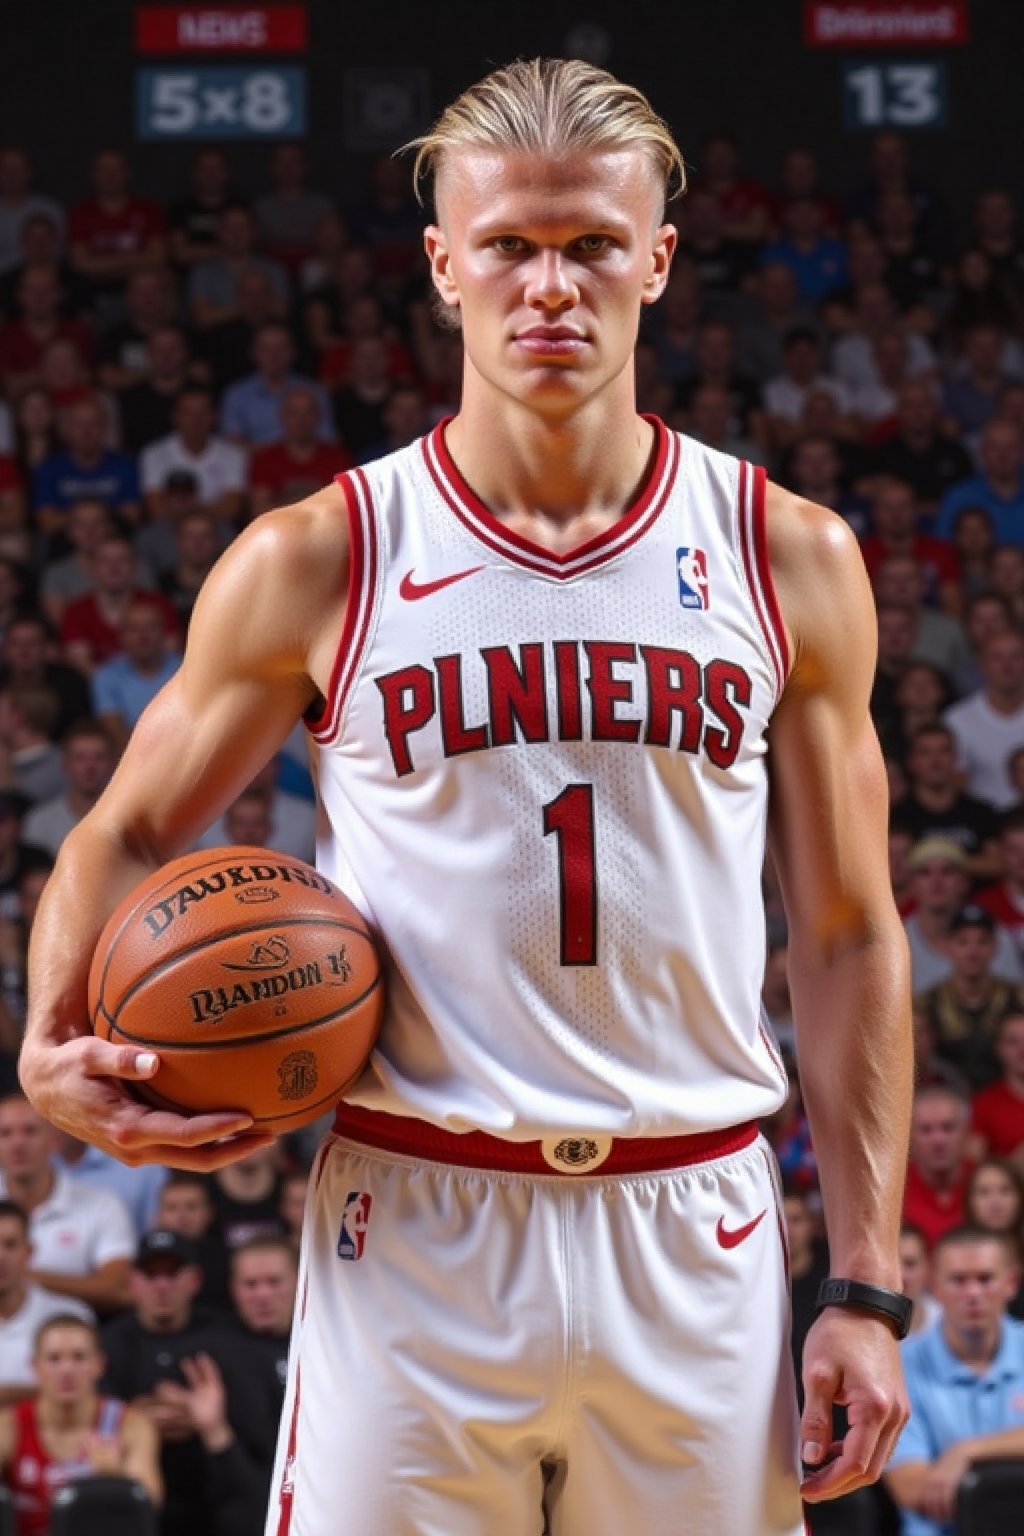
550 106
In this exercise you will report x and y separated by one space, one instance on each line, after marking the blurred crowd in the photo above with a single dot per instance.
171 367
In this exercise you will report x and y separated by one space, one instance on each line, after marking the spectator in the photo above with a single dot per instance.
930 1070
247 1197
390 223
406 420
964 1372
330 241
989 724
711 420
40 321
816 259
147 408
912 270
995 1203
19 203
1005 897
890 171
35 432
124 685
1006 574
150 301
90 631
198 540
922 693
940 886
875 403
715 363
300 462
24 1307
973 542
938 1169
971 396
195 220
997 1112
364 316
219 467
69 1431
67 579
25 659
915 1273
30 759
214 285
936 806
186 1206
654 395
265 815
773 310
17 856
42 248
264 1276
226 348
919 453
999 488
89 761
896 630
875 315
294 1189
81 1235
977 297
675 324
288 217
742 202
896 531
967 1008
251 412
816 471
938 637
997 236
85 470
785 395
721 264
800 176
145 1350
113 234
359 404
138 1188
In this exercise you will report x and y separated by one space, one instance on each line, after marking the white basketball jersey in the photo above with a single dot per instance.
543 777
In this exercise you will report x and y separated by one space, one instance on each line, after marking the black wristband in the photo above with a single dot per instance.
892 1305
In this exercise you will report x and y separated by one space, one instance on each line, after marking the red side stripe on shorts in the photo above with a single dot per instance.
286 1496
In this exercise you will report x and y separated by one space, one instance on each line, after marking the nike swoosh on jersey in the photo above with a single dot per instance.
732 1239
412 590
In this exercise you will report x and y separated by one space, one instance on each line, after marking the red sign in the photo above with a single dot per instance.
220 29
885 23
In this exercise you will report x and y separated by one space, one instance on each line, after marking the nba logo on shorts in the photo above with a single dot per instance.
692 569
354 1220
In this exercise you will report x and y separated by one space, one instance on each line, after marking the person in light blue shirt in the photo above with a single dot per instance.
124 685
999 488
965 1381
251 412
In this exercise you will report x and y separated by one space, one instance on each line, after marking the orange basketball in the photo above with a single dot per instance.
253 977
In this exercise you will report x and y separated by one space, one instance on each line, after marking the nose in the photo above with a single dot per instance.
550 284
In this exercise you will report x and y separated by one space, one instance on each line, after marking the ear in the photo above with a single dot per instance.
666 239
436 247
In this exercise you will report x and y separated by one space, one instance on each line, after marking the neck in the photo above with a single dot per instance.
934 797
13 1299
30 1189
522 464
972 991
60 1415
942 1178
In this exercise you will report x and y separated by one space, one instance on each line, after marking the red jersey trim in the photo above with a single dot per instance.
754 548
362 583
484 526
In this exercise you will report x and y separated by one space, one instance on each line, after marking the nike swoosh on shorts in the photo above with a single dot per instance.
732 1239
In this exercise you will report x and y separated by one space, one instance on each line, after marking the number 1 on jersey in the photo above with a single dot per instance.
570 816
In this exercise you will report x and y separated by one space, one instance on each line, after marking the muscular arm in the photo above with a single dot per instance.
261 645
848 965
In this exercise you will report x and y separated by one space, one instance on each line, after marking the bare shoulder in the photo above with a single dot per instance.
820 581
308 538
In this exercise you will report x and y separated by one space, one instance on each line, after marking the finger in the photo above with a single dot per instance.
205 1159
849 1470
816 1419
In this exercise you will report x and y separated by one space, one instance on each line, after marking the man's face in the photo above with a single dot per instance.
895 511
88 522
25 1141
972 951
973 1283
263 1289
185 1209
142 634
247 822
85 429
26 649
1002 663
913 1265
1000 450
938 1134
939 885
68 1364
88 763
549 260
1010 1045
300 416
273 353
14 1254
115 566
163 1291
193 417
932 760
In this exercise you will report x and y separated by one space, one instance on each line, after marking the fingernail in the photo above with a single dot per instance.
810 1451
145 1061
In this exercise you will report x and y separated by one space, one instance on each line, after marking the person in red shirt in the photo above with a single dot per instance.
24 340
894 523
114 234
997 1112
938 1170
299 463
90 631
69 1431
1005 898
744 203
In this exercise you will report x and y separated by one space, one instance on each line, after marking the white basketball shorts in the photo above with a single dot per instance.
492 1352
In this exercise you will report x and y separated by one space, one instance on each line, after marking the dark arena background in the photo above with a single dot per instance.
847 310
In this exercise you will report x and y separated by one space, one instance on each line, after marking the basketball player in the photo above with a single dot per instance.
68 1431
543 1280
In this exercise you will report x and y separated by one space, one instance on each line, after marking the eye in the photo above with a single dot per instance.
592 245
508 245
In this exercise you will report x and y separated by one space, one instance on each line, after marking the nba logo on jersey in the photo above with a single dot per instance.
354 1220
692 569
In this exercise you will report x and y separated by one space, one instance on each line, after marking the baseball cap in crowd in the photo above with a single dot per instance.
933 850
973 916
162 1243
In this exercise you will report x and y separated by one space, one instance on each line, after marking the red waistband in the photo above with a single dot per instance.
570 1153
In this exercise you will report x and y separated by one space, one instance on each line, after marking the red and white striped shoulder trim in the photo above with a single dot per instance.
753 532
362 585
631 526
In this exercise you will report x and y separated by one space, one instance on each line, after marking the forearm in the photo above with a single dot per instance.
852 1015
1008 1443
104 1290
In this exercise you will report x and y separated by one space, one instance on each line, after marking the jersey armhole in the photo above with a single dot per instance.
362 580
753 524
